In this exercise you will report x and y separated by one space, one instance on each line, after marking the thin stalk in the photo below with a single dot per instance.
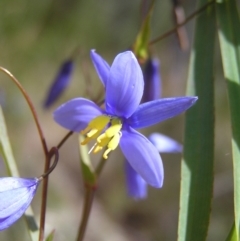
44 201
45 150
45 188
100 166
88 200
59 145
30 104
181 24
47 170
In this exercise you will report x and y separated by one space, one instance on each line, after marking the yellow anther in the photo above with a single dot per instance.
97 149
92 132
85 141
115 127
100 146
109 138
95 127
115 141
106 153
112 145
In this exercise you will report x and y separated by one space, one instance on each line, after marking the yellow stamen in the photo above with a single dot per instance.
112 145
95 127
109 138
115 127
100 146
92 132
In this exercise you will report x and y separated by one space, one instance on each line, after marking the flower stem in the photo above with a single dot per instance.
100 166
88 200
59 145
45 150
30 104
44 201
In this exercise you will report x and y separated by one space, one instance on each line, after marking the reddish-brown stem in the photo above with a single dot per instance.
30 104
59 145
45 150
88 200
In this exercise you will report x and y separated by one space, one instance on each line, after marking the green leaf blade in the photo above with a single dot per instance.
229 37
197 165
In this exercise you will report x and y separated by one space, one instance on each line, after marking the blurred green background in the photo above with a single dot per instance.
35 38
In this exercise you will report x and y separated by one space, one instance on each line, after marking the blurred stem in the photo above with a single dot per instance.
44 200
100 166
59 145
45 150
88 200
30 104
181 24
45 188
47 170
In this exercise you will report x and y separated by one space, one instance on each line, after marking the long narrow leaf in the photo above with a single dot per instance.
229 37
197 164
7 154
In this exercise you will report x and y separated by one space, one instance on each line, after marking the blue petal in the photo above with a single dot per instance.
165 144
125 85
101 66
136 186
152 112
142 156
75 114
152 80
60 83
16 195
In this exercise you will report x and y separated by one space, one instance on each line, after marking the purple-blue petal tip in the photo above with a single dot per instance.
101 66
165 144
136 185
155 111
60 83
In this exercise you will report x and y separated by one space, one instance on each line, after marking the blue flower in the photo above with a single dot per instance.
16 195
115 125
60 83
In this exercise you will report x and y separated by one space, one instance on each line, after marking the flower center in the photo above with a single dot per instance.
110 137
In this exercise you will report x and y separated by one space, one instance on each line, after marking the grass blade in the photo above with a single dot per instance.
229 37
197 164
